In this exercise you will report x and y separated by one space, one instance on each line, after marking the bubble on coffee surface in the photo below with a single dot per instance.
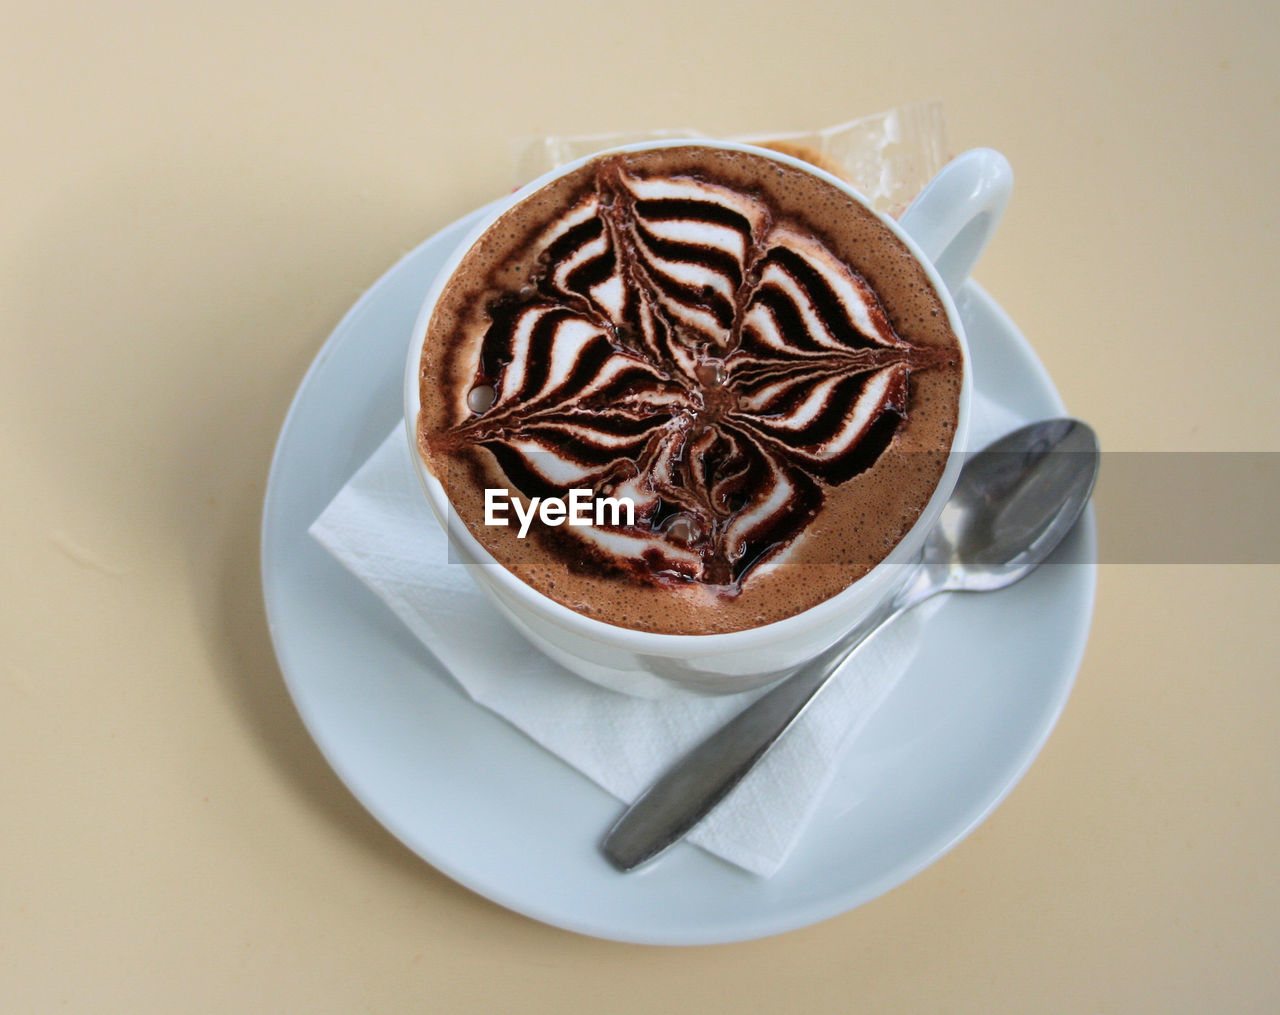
680 343
480 399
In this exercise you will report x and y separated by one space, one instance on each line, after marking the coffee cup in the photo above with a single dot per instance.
944 232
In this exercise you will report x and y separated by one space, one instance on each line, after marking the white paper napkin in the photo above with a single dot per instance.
380 528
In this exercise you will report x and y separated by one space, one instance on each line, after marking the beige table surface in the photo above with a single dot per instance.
191 197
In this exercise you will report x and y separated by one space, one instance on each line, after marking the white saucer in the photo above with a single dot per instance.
495 812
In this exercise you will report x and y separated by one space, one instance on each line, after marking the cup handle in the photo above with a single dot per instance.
955 215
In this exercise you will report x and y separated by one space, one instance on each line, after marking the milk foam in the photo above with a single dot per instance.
678 340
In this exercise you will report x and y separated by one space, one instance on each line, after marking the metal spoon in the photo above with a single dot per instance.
1014 502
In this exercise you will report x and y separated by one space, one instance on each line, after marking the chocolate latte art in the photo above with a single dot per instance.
734 344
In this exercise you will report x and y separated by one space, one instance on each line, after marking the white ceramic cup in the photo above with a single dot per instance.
945 228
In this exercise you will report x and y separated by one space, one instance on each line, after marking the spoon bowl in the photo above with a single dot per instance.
1013 504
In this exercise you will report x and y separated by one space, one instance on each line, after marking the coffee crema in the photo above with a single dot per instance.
736 345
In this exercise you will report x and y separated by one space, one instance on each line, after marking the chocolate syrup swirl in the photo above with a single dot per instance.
678 345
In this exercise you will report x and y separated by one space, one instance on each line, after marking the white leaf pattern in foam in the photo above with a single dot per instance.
552 466
610 296
581 255
513 377
621 545
815 326
572 336
858 300
699 234
869 404
685 188
778 495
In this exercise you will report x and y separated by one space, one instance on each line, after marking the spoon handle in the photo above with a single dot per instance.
691 788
